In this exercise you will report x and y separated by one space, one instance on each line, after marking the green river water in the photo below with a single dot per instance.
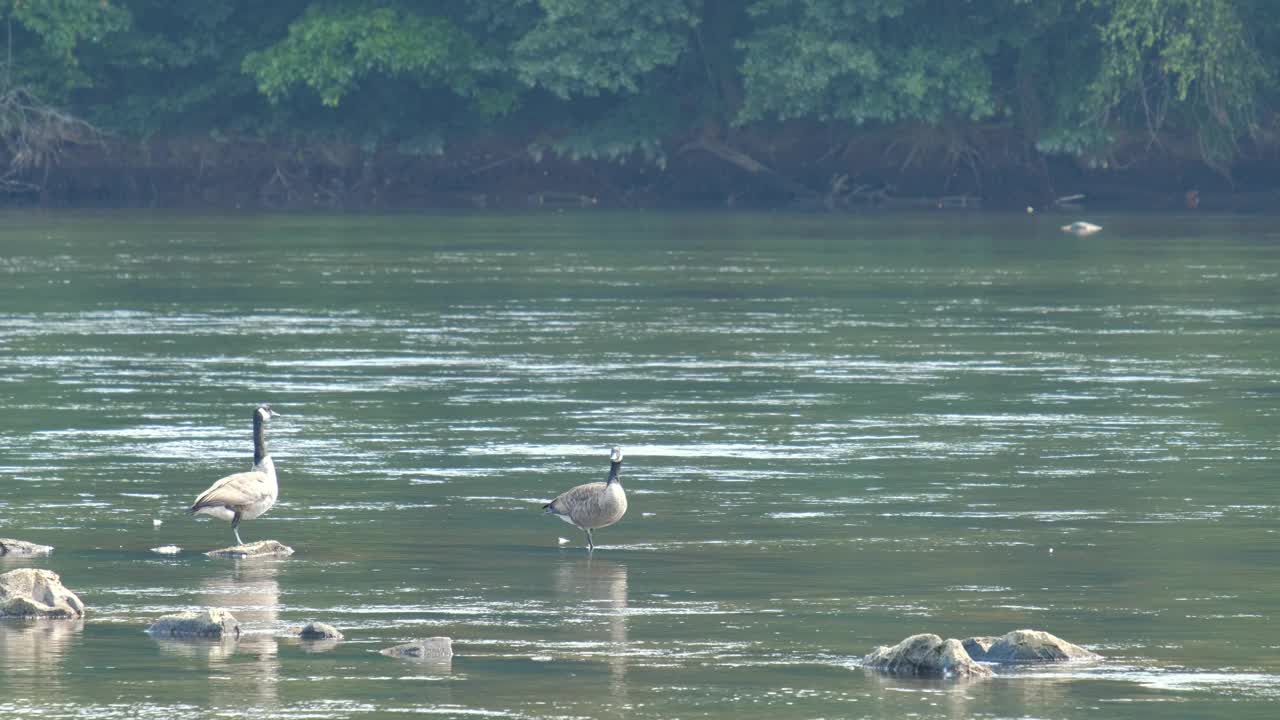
839 431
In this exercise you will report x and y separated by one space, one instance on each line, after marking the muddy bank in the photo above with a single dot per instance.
795 171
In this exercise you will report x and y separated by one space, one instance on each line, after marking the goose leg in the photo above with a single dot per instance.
591 545
235 528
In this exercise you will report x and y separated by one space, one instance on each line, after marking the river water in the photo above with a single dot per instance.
838 432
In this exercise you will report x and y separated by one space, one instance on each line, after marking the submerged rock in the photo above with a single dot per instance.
28 592
317 631
262 548
926 655
9 546
1035 646
208 623
432 648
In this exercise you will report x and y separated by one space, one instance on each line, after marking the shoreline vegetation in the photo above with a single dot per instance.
821 105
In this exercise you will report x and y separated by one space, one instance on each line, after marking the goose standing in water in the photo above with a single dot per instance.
593 505
246 495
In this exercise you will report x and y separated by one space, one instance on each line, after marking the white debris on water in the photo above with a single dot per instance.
563 541
156 522
167 549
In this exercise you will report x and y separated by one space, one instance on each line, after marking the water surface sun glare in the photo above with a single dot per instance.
839 431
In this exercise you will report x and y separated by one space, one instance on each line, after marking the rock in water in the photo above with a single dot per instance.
208 623
318 631
262 548
926 655
9 546
1081 228
1036 646
977 647
28 592
432 648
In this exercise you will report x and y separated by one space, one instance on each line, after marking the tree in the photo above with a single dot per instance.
41 69
1187 66
863 61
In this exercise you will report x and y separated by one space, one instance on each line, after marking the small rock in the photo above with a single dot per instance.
9 546
977 647
317 631
1081 228
28 592
1036 646
432 648
207 623
925 655
262 548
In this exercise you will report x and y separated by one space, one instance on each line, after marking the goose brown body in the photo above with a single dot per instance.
593 505
246 495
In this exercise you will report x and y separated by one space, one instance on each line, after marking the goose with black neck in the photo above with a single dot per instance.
246 495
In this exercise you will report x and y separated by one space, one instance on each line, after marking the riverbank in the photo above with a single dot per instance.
795 170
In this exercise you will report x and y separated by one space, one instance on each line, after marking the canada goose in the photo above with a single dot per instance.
594 505
246 495
1081 228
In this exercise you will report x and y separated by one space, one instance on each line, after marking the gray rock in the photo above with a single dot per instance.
262 548
432 648
317 631
926 655
9 546
977 647
28 592
208 623
1036 646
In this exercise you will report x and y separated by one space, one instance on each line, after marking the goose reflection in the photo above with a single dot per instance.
594 591
32 652
248 666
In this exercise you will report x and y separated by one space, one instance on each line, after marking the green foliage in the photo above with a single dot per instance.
334 46
44 37
177 64
622 79
1192 62
588 47
634 129
61 25
870 60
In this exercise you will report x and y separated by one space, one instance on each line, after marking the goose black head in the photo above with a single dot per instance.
265 413
615 455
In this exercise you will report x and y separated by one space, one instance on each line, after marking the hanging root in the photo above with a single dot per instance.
33 135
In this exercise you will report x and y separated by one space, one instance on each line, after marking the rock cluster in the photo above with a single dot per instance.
32 593
928 655
1026 646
